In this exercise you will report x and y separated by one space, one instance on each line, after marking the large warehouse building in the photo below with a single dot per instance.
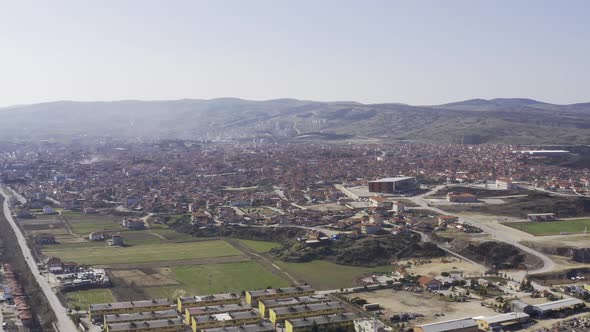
393 185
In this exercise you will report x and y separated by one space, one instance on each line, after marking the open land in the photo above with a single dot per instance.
552 227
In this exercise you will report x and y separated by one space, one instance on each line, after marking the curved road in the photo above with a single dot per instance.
64 323
495 229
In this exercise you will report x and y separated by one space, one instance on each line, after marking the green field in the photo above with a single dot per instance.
85 298
552 227
106 255
260 246
84 224
327 275
218 278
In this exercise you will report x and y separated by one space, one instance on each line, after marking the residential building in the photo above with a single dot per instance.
101 309
184 302
140 316
504 184
429 282
344 321
541 217
190 312
252 297
162 325
265 305
199 323
262 326
305 310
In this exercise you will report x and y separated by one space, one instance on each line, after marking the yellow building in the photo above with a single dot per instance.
184 302
252 297
265 305
140 316
162 325
199 323
280 314
97 311
306 324
216 309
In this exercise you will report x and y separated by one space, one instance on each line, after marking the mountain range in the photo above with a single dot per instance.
474 121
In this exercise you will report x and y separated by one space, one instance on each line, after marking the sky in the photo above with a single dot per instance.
416 52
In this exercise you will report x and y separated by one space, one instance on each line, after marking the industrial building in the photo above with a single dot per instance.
252 297
140 316
101 309
461 197
393 185
545 309
455 325
501 322
344 321
162 325
184 302
265 305
305 310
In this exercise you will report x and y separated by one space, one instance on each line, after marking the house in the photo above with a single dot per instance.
380 201
447 219
43 239
370 228
89 210
96 236
504 184
54 265
48 210
116 240
429 283
134 224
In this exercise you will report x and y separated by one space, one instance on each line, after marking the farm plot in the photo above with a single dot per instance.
327 275
84 298
216 278
142 253
260 246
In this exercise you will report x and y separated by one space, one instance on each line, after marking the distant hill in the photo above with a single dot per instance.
475 121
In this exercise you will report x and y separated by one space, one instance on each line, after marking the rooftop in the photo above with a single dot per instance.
141 325
449 325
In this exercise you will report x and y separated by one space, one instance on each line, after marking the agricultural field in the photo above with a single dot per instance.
85 298
143 253
260 246
552 227
84 224
327 275
216 278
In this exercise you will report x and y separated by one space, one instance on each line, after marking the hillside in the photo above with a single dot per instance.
473 121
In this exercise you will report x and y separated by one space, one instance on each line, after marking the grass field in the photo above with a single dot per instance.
85 298
84 224
552 227
260 246
218 278
141 253
327 275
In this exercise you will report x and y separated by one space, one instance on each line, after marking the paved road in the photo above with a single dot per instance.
492 227
64 323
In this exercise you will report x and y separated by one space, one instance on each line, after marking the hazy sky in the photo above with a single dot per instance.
418 52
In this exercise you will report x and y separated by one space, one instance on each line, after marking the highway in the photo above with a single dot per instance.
64 323
492 227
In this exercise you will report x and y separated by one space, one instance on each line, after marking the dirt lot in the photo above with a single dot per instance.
433 267
145 277
395 302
